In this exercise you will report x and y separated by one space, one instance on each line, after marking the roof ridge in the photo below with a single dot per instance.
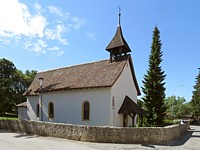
76 65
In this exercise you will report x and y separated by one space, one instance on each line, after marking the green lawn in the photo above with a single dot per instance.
9 116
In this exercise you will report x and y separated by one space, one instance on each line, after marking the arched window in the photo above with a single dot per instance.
51 110
86 111
37 110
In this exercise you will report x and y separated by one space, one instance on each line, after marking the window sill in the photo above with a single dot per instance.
51 119
86 120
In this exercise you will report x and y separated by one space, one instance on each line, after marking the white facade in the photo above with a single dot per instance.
68 106
122 87
22 113
104 103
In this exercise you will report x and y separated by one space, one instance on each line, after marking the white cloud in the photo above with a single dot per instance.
56 34
91 35
77 22
59 29
35 29
56 51
55 48
38 47
38 7
4 41
16 19
56 10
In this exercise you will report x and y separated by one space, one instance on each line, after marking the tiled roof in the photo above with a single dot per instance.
89 75
24 104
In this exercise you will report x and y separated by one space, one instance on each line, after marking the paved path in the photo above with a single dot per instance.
16 141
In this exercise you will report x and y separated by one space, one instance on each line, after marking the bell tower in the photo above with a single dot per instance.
118 46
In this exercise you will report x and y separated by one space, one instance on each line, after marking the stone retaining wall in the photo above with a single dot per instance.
148 135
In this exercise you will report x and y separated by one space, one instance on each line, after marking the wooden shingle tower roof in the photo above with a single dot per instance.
118 45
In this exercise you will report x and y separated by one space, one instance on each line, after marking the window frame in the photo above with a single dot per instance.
51 110
85 113
37 110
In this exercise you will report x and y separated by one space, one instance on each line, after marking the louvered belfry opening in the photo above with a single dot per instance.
118 46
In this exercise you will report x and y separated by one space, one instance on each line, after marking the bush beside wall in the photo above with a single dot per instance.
101 134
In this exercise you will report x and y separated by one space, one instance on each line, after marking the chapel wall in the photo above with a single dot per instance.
68 106
122 87
101 134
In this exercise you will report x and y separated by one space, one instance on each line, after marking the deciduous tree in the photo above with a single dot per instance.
180 107
7 85
13 84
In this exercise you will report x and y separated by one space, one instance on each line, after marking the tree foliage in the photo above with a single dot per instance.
180 107
13 84
153 89
7 84
196 97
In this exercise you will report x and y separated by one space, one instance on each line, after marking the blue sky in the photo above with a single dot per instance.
41 35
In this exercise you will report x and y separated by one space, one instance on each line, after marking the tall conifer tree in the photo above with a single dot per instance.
153 89
196 96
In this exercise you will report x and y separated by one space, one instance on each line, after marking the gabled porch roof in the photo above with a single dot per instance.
130 107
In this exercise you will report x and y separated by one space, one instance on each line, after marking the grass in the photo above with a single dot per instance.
9 116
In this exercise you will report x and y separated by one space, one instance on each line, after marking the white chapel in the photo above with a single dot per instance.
102 93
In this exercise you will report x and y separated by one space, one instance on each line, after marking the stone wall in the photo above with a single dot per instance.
103 134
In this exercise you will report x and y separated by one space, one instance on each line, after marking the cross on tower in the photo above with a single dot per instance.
119 15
